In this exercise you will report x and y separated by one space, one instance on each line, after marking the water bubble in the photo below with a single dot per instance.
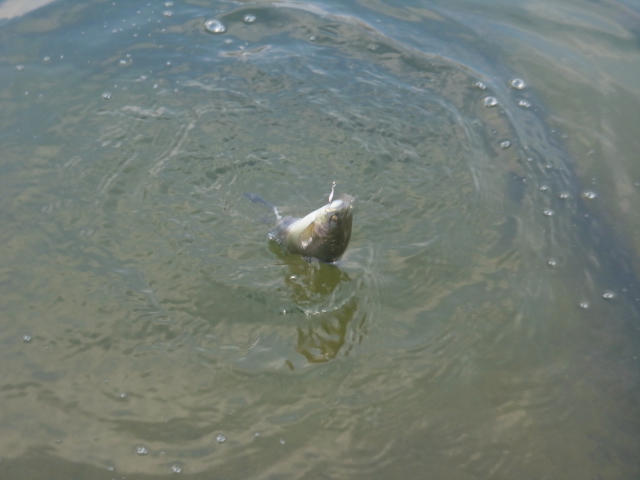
111 468
312 38
517 83
176 468
106 95
490 102
524 103
544 188
46 59
584 305
141 450
214 26
257 434
548 212
608 295
589 194
248 18
168 4
564 195
26 338
220 438
19 67
552 262
480 85
122 395
504 144
167 13
282 442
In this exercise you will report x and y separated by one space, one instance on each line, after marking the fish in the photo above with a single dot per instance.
323 234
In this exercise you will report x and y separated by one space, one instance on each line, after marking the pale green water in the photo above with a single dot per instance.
148 327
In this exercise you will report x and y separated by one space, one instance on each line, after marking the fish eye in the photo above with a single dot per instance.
334 218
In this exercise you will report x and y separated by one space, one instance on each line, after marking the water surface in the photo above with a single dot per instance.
483 322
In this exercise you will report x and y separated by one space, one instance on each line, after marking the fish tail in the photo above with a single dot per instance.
255 198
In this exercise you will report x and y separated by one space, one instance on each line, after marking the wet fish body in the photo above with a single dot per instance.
323 234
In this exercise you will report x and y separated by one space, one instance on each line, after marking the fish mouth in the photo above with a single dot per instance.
343 202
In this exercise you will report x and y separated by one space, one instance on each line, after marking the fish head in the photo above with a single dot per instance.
327 236
336 216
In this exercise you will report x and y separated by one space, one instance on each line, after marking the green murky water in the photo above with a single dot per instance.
482 324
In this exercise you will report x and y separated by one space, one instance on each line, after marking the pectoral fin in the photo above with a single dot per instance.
306 237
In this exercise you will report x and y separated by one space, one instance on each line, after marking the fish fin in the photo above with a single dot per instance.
258 199
306 237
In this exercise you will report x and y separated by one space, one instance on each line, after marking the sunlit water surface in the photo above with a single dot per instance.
483 322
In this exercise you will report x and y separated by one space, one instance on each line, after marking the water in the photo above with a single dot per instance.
483 322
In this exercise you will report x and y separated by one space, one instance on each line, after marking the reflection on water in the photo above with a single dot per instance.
323 338
321 291
482 323
15 8
310 284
